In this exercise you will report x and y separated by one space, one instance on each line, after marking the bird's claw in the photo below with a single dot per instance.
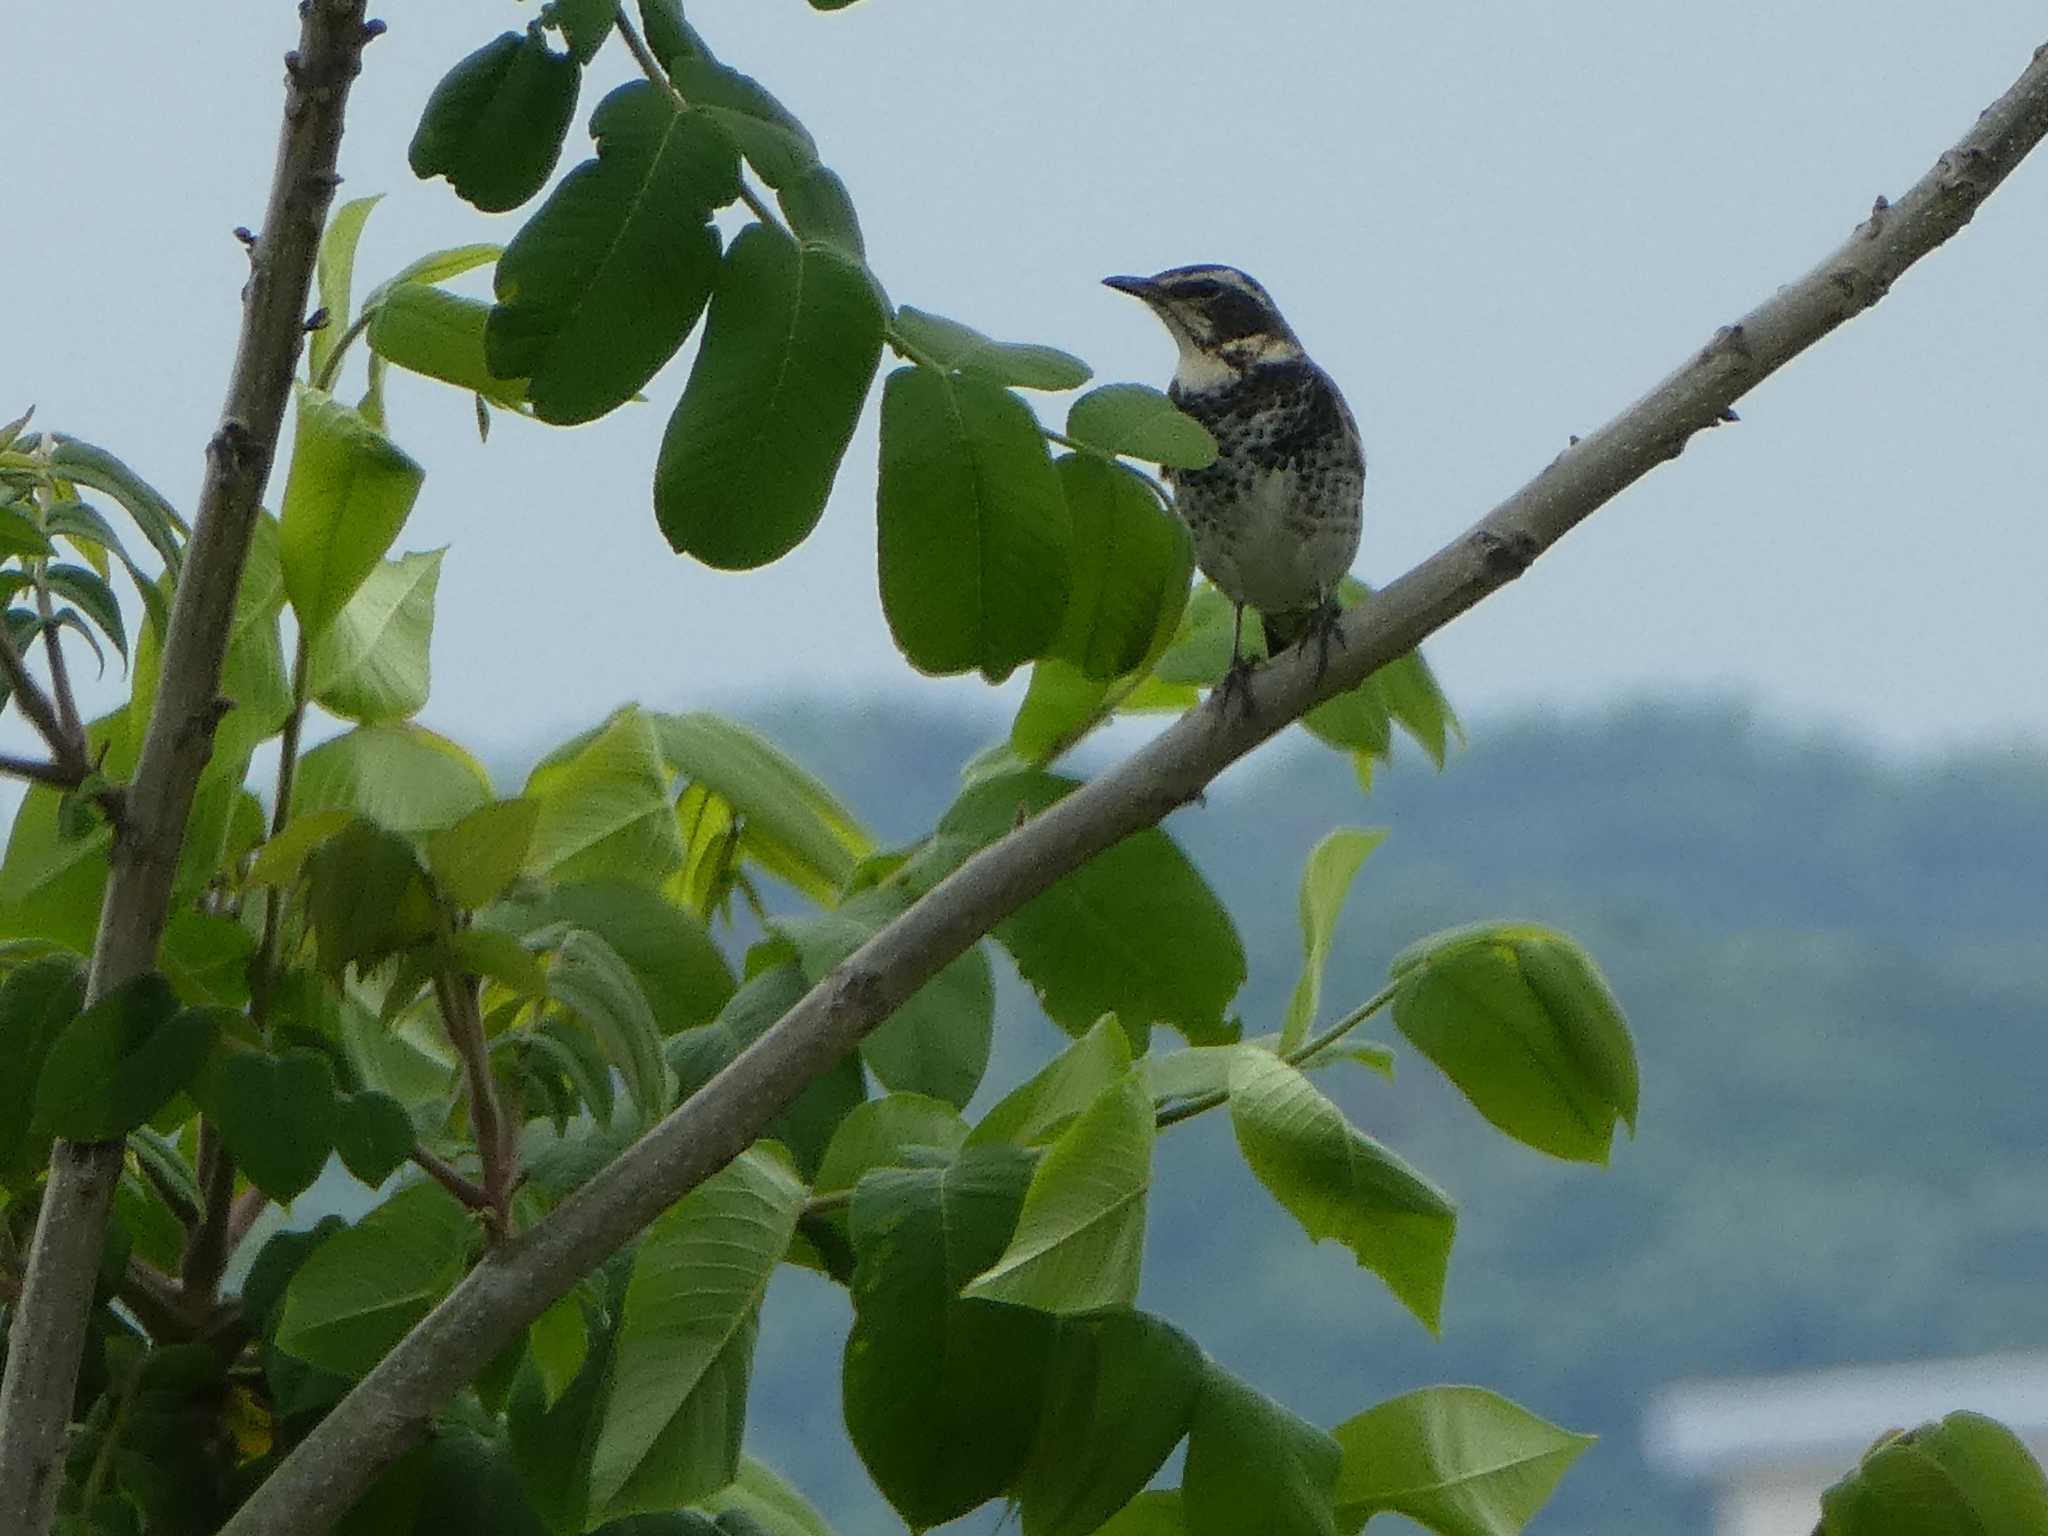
1237 679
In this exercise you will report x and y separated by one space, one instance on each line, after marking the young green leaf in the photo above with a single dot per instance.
373 1135
1521 1020
366 1285
84 464
349 491
685 978
1135 932
974 531
762 1495
942 1395
604 809
399 775
1254 1466
474 860
371 663
494 125
1325 882
937 1042
1338 1182
1080 1239
605 281
335 277
1120 1394
1460 1460
367 897
1140 421
961 349
1039 1109
37 1001
1964 1475
121 1060
1131 567
277 1116
677 1404
793 826
875 1133
755 442
440 335
588 977
91 592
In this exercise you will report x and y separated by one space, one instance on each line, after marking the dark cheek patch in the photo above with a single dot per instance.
1233 314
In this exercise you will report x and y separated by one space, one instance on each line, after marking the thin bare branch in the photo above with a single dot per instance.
452 1179
67 750
496 1137
60 671
48 1330
519 1279
206 1250
36 771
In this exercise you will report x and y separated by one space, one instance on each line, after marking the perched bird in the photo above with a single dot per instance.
1275 519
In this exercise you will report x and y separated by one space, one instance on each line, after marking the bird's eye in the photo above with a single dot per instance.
1198 288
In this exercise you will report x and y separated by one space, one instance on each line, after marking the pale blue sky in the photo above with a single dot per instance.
1494 224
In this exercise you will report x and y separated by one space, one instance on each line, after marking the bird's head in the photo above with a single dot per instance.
1222 320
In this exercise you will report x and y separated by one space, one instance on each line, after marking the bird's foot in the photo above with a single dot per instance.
1327 626
1237 679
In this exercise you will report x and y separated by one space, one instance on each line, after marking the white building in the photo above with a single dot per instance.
1768 1445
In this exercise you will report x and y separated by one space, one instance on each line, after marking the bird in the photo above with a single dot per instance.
1276 517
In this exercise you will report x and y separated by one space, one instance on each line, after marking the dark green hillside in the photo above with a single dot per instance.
1837 970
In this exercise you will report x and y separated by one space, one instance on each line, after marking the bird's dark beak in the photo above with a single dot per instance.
1137 287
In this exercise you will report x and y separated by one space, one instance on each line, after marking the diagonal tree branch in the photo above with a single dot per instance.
48 1329
516 1281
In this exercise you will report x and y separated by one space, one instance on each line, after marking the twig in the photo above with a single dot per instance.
60 670
36 771
332 370
1301 1055
264 975
67 750
452 1179
49 1325
206 1251
391 1407
494 1143
250 1204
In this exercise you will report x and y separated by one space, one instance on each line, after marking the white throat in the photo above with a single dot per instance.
1200 371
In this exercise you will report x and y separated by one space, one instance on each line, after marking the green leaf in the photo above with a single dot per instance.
364 1287
494 125
497 956
440 335
371 663
37 1001
367 897
588 977
1120 1395
277 1116
604 810
974 531
761 1494
84 464
605 281
558 1342
1157 1513
477 858
819 208
672 1422
684 977
1459 1460
91 533
1255 1469
282 859
1135 932
373 1135
774 142
584 24
335 275
1964 1475
942 1395
1132 564
1080 1239
793 826
754 445
20 536
1325 882
349 491
1338 1182
669 36
1140 421
875 1133
401 776
1039 1109
91 593
122 1060
1521 1020
958 348
937 1041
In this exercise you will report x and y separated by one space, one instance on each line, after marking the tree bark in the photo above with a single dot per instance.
49 1324
518 1280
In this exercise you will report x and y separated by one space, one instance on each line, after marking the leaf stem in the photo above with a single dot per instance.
452 1179
263 978
651 68
331 369
495 1147
206 1251
60 671
42 714
1300 1056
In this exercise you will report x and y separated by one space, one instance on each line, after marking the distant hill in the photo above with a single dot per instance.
1837 971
